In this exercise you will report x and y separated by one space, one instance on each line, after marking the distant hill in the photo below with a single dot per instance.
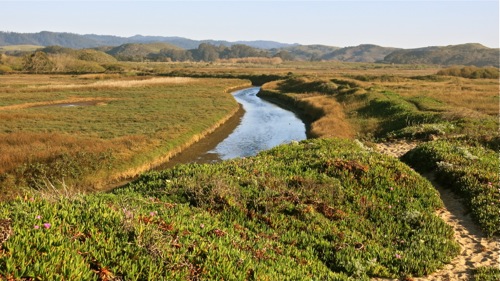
307 52
464 54
80 54
361 53
139 51
71 40
159 48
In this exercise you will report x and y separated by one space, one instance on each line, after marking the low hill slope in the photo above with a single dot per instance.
324 209
465 54
361 53
307 52
84 55
138 51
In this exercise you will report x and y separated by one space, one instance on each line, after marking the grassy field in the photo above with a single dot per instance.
87 133
20 48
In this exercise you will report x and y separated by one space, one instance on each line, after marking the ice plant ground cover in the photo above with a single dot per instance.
320 209
470 170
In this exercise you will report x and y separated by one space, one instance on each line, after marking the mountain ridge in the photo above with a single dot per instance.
462 54
79 41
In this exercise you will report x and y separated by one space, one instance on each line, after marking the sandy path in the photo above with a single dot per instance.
476 249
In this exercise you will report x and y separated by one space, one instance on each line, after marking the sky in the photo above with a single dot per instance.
402 24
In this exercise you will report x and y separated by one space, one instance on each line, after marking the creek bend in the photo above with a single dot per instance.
259 125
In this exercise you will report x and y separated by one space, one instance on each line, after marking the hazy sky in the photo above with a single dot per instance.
405 24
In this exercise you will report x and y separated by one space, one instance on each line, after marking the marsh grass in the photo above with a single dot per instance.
380 105
116 126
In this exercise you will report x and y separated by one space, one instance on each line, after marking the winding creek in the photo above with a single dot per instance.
262 125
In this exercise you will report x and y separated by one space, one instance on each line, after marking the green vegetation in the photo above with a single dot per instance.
322 209
88 133
65 46
464 54
471 72
395 107
486 274
398 107
471 170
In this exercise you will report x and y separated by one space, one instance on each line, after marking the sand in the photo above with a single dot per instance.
476 249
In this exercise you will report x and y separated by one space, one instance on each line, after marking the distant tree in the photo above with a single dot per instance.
471 72
37 62
315 57
243 51
175 55
284 55
206 52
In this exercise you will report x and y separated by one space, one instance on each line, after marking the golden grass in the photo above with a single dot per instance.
332 122
30 83
22 147
74 100
454 97
328 117
144 122
457 93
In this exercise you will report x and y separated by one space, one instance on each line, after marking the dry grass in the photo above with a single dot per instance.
133 123
480 95
333 122
23 147
75 100
30 83
454 98
328 115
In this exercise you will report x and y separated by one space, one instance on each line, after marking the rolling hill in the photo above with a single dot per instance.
158 48
464 54
77 41
361 53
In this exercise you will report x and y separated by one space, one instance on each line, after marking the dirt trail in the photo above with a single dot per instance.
476 249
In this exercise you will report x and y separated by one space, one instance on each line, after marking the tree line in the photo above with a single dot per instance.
211 53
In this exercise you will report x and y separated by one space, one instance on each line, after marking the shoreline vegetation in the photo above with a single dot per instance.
83 146
127 176
331 207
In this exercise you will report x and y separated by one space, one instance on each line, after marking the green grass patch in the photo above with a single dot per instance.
470 170
394 112
486 274
323 209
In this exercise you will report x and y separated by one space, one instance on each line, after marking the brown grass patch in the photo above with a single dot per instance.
333 122
75 100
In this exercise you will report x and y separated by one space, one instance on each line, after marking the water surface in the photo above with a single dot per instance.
262 126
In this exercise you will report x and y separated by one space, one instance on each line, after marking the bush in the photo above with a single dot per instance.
4 69
486 274
471 171
472 72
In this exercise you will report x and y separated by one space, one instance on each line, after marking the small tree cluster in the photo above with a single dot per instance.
472 72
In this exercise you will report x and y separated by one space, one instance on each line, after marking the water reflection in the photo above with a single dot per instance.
263 126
